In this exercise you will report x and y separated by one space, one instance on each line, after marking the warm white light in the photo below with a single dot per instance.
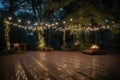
79 25
46 24
63 22
25 27
19 26
28 22
41 23
68 28
113 22
108 27
56 23
75 29
9 18
19 20
36 24
44 27
103 27
75 26
53 24
71 19
81 18
14 24
94 46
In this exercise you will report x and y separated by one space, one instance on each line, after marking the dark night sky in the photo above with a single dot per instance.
0 4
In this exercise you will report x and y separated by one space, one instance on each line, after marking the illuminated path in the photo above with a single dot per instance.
59 66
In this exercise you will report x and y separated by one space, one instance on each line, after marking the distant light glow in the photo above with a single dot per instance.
81 18
106 20
94 46
31 34
113 22
71 19
9 18
63 22
19 20
36 24
56 23
28 22
61 9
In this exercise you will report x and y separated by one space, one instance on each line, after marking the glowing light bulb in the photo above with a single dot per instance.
19 20
63 22
9 18
71 19
28 22
56 23
36 24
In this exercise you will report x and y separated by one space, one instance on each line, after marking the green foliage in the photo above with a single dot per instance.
6 34
6 52
9 52
41 41
116 29
88 11
115 33
64 46
79 47
74 48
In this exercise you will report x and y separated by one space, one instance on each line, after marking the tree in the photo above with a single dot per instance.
86 13
7 29
91 14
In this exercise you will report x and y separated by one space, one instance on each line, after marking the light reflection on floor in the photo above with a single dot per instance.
20 73
64 66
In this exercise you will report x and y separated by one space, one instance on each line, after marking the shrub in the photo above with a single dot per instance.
64 46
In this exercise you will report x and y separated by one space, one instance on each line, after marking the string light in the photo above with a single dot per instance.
46 24
36 24
19 20
56 23
63 22
71 19
108 27
54 26
79 25
28 22
9 18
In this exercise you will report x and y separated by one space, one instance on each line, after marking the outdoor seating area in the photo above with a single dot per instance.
59 39
46 49
19 46
94 49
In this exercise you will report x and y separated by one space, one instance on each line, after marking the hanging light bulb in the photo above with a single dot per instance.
71 19
9 18
63 22
19 20
56 23
36 24
28 22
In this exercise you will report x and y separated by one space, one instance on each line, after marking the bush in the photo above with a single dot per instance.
75 46
6 52
64 46
80 47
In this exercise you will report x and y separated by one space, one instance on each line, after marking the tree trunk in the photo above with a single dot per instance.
64 35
